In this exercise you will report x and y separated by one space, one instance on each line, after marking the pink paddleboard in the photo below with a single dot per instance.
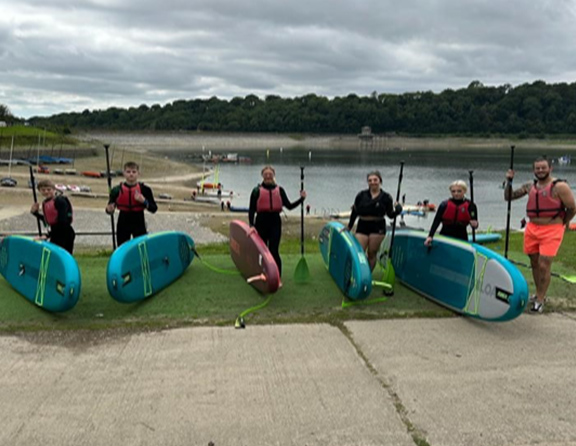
253 258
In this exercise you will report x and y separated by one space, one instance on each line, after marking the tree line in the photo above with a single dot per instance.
534 109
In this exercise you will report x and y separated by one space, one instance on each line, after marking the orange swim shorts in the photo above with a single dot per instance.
543 239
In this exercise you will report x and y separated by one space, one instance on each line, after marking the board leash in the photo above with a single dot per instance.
240 323
212 267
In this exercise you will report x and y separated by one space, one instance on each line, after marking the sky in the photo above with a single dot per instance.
59 55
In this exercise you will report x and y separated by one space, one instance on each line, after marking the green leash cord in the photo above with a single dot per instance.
376 300
240 319
214 268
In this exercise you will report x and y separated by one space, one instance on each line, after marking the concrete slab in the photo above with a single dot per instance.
464 382
273 385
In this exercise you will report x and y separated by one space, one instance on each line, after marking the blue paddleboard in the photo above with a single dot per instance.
145 265
42 272
486 237
464 277
346 261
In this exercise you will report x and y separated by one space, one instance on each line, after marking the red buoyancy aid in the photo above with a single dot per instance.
542 204
456 214
51 212
269 200
126 200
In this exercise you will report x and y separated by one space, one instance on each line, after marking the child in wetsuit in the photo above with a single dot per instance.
131 198
57 215
455 214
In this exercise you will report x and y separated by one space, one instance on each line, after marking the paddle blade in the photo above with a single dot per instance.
388 273
302 273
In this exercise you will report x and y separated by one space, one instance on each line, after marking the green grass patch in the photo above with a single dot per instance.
28 135
205 297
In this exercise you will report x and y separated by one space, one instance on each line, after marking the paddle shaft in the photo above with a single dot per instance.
471 172
109 178
302 212
33 182
568 279
397 199
509 211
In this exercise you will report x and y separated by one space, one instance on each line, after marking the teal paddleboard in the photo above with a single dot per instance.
486 237
346 261
42 272
465 277
145 265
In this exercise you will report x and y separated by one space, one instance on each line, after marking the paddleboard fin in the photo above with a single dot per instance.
261 277
127 278
239 323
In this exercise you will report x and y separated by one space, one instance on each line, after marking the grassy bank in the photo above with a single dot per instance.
28 135
205 297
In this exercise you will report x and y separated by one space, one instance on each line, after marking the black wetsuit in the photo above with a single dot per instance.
132 223
366 206
269 224
454 230
61 233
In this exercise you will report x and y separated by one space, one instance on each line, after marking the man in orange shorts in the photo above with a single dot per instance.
550 208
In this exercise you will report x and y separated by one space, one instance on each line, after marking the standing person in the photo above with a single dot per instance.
57 214
550 208
131 198
266 202
455 214
370 206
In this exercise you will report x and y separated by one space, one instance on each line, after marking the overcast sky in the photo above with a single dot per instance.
62 55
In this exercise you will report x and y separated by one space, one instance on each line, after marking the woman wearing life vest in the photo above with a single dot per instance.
266 202
455 214
550 208
57 215
131 198
370 206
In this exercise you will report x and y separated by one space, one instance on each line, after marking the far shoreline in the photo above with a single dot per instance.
158 142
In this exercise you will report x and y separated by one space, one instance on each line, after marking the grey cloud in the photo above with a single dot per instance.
120 52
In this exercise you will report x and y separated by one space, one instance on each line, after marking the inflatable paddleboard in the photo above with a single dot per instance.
42 272
345 260
253 258
464 277
145 265
486 237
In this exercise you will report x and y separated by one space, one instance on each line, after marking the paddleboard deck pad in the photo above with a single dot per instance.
465 277
345 260
253 258
42 272
147 264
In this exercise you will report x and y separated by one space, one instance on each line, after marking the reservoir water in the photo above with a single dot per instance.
334 177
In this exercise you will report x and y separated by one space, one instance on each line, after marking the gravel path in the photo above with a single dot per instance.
91 220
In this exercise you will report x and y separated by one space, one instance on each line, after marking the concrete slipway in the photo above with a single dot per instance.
388 382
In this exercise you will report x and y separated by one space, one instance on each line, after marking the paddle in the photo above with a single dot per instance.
302 273
569 279
509 186
389 276
472 201
33 182
107 146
